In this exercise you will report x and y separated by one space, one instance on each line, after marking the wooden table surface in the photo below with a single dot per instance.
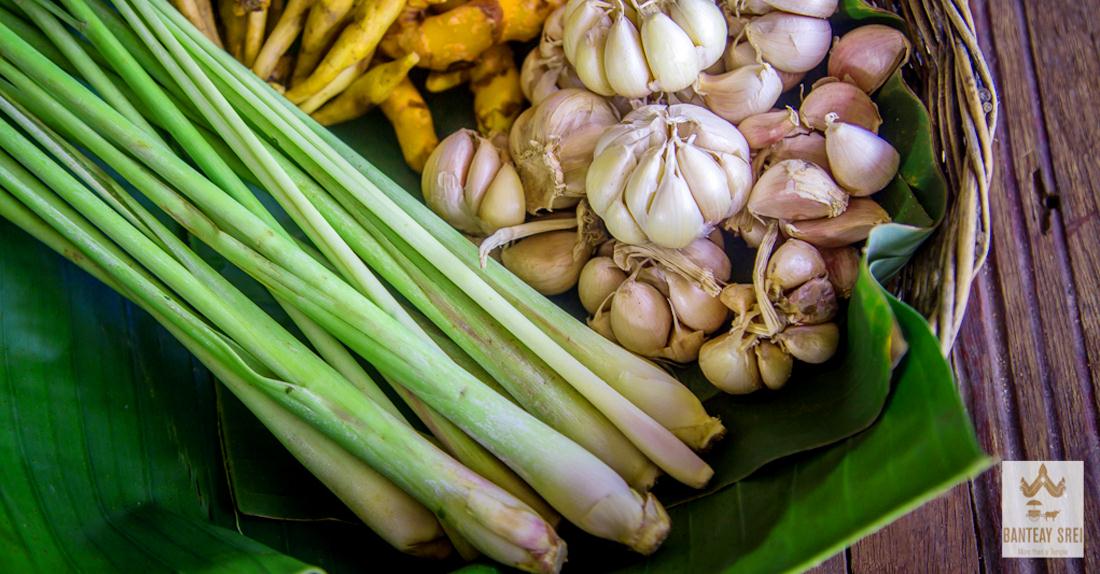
1026 354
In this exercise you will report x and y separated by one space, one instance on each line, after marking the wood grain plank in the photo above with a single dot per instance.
937 537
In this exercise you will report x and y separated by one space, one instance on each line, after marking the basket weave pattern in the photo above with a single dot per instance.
956 85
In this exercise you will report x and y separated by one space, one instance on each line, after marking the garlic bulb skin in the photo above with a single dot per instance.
868 55
729 363
640 318
795 190
790 42
618 50
548 262
812 303
842 264
668 175
468 183
766 129
551 145
807 147
862 162
599 278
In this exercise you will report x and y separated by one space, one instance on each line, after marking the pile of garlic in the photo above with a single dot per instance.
653 128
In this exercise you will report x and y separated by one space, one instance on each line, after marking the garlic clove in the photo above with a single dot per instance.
580 16
624 62
790 80
790 42
588 61
852 226
868 55
807 147
750 229
735 23
745 91
754 7
796 190
738 179
706 181
443 178
483 168
547 261
670 53
769 128
654 276
851 105
812 344
673 218
710 131
599 278
711 257
607 177
503 203
641 186
793 263
774 363
862 162
621 224
738 297
812 303
601 323
693 306
640 318
683 345
739 54
703 22
842 263
729 363
813 8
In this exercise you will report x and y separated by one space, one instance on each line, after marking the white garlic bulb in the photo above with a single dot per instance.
668 174
469 182
552 144
622 48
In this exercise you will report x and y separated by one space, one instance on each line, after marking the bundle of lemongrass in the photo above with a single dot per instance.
659 119
534 415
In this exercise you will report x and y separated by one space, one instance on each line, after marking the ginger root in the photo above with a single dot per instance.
498 97
411 119
463 33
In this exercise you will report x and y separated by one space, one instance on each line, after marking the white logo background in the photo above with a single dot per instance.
1042 525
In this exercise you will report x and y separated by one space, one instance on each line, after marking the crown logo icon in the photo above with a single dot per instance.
1043 481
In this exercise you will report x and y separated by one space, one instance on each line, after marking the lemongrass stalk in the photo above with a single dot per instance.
655 391
656 441
575 482
75 53
480 511
275 180
387 510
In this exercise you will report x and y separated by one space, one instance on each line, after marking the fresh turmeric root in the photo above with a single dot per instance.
356 42
498 97
463 33
442 81
334 88
233 27
412 121
278 42
254 31
274 12
371 89
201 15
281 74
325 21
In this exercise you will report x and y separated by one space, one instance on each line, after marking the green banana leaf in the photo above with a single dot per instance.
111 459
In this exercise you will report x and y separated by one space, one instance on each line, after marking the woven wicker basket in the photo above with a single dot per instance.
955 84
